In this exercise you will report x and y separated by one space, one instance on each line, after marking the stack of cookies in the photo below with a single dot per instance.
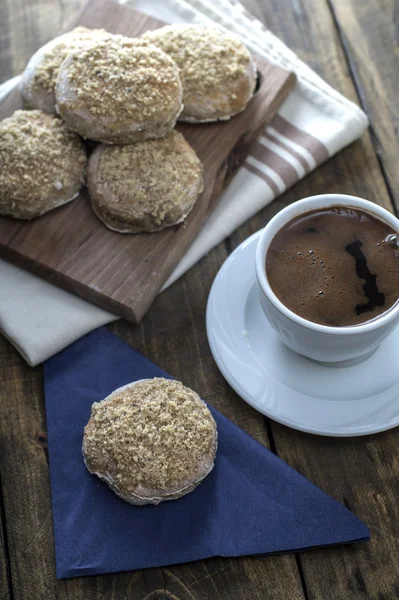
152 440
126 95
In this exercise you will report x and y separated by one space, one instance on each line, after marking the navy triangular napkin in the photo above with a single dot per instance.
251 503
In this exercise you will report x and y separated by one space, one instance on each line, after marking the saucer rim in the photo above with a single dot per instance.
240 390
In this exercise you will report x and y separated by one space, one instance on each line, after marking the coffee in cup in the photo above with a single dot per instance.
336 266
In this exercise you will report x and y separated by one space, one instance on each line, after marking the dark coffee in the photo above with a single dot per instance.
337 266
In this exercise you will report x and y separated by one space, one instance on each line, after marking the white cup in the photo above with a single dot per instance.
335 345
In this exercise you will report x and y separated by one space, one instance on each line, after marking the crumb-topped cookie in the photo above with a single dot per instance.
151 440
38 79
217 72
42 164
119 90
146 186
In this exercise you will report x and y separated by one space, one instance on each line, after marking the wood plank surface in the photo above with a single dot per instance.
72 248
25 25
363 473
5 590
370 35
175 339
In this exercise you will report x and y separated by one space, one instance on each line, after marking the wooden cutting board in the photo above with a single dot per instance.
71 248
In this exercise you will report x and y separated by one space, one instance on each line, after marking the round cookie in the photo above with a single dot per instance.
146 186
42 164
151 440
119 91
216 70
38 79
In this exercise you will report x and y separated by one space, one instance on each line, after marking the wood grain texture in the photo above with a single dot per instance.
5 591
307 27
123 273
25 25
370 35
363 472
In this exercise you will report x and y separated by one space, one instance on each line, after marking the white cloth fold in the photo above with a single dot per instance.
314 123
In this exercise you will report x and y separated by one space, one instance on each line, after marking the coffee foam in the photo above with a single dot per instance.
334 266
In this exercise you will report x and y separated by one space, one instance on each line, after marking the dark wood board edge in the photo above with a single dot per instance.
147 291
143 300
68 284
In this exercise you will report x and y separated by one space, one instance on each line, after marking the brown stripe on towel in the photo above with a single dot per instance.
255 171
316 148
272 138
281 166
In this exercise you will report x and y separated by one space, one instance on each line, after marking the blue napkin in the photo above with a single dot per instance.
251 503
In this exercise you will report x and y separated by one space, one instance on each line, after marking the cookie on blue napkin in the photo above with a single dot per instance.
151 440
251 503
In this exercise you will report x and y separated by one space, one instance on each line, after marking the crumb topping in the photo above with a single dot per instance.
126 77
38 156
46 72
152 177
207 58
155 434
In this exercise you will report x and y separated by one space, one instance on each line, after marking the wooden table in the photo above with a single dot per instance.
353 44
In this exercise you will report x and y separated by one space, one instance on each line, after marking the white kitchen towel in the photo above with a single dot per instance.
313 124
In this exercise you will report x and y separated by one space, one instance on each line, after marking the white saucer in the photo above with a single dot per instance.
293 390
